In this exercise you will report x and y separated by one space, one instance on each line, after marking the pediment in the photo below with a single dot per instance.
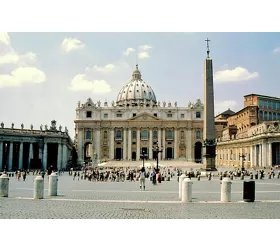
144 117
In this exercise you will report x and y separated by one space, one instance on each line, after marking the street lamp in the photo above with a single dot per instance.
243 156
143 155
157 150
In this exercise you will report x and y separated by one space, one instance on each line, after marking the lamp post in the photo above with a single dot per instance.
143 155
243 156
157 150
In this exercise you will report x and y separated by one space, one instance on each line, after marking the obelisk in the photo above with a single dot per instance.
209 133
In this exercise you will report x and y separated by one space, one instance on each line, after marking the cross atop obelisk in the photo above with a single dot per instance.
208 50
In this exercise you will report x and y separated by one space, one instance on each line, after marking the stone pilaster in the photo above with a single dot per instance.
269 155
112 146
264 153
138 145
189 145
59 156
65 156
80 145
151 144
97 143
251 155
45 155
175 144
124 144
30 154
1 156
20 155
163 144
129 144
159 143
10 159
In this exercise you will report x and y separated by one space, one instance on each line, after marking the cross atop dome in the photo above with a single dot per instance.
136 74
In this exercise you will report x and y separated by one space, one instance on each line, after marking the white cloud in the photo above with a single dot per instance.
276 50
143 55
28 58
70 44
145 47
80 83
10 58
221 106
22 75
105 69
128 51
4 38
235 75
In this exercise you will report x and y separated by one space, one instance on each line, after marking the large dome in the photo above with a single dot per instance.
136 92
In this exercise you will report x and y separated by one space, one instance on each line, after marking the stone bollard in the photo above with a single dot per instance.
198 178
38 188
226 190
4 185
187 190
181 178
53 178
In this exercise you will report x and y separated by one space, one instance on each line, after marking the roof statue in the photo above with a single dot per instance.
22 126
2 125
164 103
46 127
99 103
41 127
13 125
169 104
158 103
175 104
31 126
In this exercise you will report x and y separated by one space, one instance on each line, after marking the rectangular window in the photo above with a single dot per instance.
105 115
133 115
155 114
88 114
169 115
197 114
182 115
119 115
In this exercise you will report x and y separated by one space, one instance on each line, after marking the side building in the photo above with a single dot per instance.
34 149
251 136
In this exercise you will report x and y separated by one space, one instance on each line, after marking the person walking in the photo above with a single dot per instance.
24 176
154 177
142 178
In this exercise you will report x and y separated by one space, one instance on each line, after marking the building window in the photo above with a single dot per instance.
155 114
197 114
155 135
105 135
119 134
182 134
169 115
274 117
169 134
198 135
182 115
119 115
133 115
144 134
88 135
265 116
133 134
105 115
88 114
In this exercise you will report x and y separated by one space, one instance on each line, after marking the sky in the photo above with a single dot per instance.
44 75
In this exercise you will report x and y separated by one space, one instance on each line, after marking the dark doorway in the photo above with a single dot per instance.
275 153
88 152
52 155
25 155
118 153
169 153
197 152
133 156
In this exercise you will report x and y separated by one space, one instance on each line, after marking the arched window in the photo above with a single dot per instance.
119 134
260 115
198 136
182 134
169 134
265 116
278 116
88 135
270 116
274 117
134 135
105 135
144 134
155 135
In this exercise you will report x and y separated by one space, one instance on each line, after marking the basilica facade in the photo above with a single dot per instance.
136 124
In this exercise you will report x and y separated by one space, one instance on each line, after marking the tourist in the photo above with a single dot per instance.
18 175
154 176
24 176
78 176
142 178
74 176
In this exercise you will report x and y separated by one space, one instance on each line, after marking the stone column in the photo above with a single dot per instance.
269 155
10 160
186 143
264 162
59 156
20 155
251 156
124 144
129 144
151 144
159 143
163 143
260 155
97 143
45 155
80 146
112 145
175 144
65 156
189 145
30 153
138 145
1 156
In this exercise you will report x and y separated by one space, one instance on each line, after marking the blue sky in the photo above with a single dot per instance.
42 78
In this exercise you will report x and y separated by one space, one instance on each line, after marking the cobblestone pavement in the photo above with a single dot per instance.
124 200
